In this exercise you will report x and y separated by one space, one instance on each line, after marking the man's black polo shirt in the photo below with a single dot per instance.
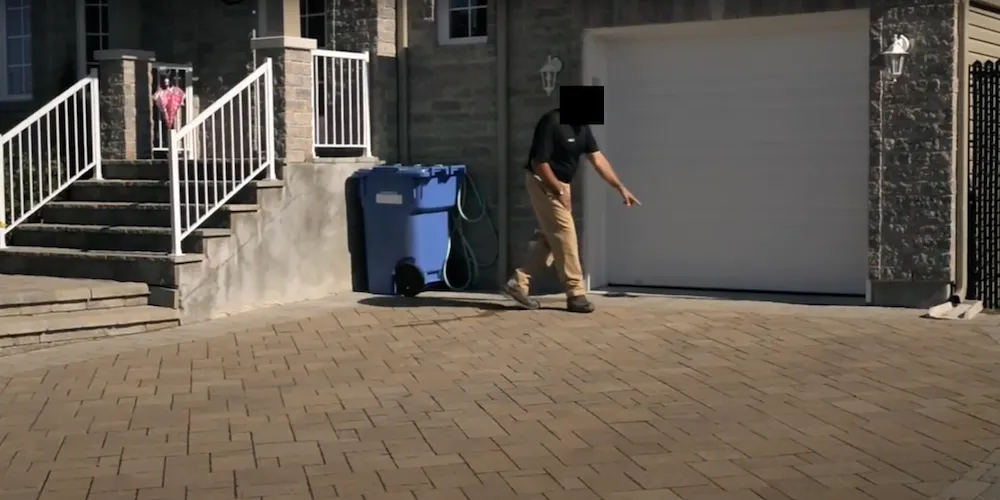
560 146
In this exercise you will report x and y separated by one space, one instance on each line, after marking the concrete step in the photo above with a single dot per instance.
94 237
99 213
156 191
79 325
27 295
159 170
152 268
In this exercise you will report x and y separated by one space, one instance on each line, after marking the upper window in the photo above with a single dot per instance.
95 30
313 19
15 57
462 21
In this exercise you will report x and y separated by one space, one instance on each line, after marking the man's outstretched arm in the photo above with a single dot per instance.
604 169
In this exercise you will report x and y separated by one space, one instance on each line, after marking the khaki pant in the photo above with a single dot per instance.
555 242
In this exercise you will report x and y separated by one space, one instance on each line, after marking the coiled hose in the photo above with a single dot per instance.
459 220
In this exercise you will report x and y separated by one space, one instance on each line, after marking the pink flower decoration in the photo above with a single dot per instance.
169 100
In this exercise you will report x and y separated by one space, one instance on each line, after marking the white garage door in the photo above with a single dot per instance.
750 155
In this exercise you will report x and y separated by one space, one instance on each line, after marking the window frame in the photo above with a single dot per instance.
84 64
5 93
445 36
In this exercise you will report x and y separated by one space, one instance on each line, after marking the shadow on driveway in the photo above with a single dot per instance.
430 301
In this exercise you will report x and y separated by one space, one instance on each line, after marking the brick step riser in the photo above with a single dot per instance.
163 274
34 341
14 310
104 241
126 217
157 172
156 194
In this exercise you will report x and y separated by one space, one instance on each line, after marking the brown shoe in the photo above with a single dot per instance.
514 292
579 304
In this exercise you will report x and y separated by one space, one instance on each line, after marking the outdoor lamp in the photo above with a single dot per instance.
549 71
895 56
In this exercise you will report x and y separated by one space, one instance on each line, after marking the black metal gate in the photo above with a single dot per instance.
984 183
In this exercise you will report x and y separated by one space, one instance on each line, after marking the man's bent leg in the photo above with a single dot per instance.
537 257
556 222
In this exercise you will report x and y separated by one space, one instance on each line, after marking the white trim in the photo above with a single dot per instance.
594 73
5 94
445 37
595 41
817 21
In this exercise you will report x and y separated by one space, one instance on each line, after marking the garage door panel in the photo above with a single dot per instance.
741 256
730 118
752 171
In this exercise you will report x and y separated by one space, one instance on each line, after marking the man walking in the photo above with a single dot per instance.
553 161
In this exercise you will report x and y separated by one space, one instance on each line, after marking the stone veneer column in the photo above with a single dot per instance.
912 157
293 102
126 103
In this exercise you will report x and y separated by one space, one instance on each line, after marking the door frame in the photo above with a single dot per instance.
81 35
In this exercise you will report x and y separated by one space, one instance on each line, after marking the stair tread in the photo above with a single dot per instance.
21 291
87 228
162 162
159 183
105 254
86 320
143 206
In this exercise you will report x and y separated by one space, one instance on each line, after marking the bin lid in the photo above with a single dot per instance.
419 170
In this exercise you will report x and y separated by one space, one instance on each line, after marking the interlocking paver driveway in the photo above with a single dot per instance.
644 400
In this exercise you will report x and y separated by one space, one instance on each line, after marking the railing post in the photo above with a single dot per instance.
3 196
269 118
366 105
175 195
314 90
95 123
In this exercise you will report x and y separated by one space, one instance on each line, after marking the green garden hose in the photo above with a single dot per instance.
459 221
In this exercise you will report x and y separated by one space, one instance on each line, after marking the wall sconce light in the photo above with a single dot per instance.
895 55
549 71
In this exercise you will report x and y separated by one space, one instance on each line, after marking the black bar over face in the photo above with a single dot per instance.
581 104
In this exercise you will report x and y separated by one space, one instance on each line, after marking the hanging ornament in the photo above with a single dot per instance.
169 100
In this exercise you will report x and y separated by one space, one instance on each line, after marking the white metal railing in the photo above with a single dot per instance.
48 151
180 75
232 143
341 105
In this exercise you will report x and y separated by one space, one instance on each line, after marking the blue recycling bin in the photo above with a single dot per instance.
407 216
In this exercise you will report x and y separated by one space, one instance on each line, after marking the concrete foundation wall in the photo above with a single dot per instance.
295 248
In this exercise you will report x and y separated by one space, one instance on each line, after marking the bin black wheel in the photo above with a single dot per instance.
408 278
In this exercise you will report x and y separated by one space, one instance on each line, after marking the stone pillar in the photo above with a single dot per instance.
126 104
293 101
912 157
